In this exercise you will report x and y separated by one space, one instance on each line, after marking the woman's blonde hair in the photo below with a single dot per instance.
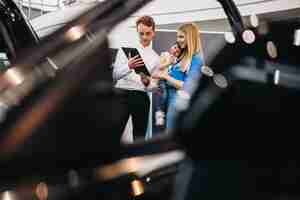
191 32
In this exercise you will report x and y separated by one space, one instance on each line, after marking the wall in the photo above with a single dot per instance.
164 13
179 11
165 38
123 36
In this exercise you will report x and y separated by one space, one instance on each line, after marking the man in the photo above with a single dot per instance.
136 85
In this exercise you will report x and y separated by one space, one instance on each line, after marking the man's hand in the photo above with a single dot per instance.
135 62
145 79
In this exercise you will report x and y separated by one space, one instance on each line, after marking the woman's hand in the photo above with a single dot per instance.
161 74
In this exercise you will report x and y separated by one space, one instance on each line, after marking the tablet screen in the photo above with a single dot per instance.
131 52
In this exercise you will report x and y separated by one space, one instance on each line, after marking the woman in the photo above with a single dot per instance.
182 74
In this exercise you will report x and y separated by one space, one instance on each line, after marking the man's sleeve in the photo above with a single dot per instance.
120 67
153 85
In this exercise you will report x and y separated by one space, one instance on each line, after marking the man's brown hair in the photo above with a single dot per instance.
146 20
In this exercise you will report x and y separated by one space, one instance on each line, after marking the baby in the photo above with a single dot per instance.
167 59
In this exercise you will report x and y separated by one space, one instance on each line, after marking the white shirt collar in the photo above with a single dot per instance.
142 47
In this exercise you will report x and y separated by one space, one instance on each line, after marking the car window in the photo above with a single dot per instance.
15 33
5 52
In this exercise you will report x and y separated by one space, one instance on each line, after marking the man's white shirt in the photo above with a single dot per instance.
127 78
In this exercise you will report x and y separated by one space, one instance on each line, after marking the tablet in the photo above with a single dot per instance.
133 52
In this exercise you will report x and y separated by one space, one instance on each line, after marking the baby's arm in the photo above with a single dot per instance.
166 59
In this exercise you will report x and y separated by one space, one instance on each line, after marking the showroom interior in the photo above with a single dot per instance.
149 99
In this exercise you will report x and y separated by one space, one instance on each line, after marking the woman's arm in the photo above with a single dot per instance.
164 75
174 82
193 75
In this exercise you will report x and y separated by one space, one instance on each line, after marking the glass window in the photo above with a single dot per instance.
5 52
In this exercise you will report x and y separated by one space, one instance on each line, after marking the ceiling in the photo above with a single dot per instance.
222 25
